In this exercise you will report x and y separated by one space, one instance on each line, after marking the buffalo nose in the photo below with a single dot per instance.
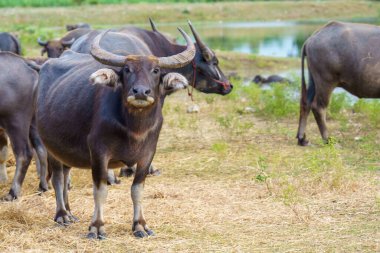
140 92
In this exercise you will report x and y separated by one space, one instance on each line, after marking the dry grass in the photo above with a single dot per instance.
208 197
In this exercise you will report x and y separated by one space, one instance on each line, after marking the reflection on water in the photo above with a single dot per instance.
279 39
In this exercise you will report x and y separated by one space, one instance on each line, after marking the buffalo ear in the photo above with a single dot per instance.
43 51
173 82
105 77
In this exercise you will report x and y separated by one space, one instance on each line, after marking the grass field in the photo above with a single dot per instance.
233 178
49 22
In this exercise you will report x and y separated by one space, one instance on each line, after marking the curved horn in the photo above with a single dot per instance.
181 59
104 56
42 43
68 43
153 25
206 52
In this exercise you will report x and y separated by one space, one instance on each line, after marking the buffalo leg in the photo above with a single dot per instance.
59 176
99 177
23 153
140 228
319 107
112 178
304 113
3 156
66 187
41 160
129 171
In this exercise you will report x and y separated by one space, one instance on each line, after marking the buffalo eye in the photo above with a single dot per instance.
126 69
156 70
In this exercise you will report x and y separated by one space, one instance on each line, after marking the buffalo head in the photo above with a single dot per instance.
209 77
141 78
54 48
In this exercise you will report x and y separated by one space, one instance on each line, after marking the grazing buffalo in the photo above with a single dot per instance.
9 43
18 91
271 79
113 122
77 26
203 73
54 48
342 55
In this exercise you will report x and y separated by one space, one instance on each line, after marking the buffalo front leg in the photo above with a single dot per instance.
99 177
3 156
140 228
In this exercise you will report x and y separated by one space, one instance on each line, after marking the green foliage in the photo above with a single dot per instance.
46 3
219 147
370 108
338 102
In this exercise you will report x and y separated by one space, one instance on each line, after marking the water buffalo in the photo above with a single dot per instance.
54 48
77 26
203 73
338 55
258 79
113 122
9 43
18 91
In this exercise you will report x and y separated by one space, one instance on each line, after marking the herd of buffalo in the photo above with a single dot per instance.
96 101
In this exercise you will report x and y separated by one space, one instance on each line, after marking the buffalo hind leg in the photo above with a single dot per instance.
130 171
319 108
112 178
41 159
23 153
99 177
3 156
140 228
59 180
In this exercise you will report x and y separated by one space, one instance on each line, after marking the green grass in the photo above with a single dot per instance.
52 3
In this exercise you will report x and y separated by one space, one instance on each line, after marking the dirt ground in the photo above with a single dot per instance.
210 196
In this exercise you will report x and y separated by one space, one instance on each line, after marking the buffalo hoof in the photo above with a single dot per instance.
140 234
96 233
303 142
93 236
9 197
65 219
155 172
150 232
126 172
43 187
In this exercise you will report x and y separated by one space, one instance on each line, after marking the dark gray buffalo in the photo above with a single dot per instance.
77 26
203 73
258 79
18 91
343 55
105 113
54 48
9 43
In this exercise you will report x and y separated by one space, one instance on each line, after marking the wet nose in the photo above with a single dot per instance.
140 92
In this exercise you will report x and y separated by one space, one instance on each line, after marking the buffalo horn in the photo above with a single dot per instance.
104 56
206 52
68 43
42 43
153 25
181 59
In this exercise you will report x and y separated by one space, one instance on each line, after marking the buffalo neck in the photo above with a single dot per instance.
142 120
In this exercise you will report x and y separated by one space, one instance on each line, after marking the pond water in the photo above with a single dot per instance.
275 38
278 39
